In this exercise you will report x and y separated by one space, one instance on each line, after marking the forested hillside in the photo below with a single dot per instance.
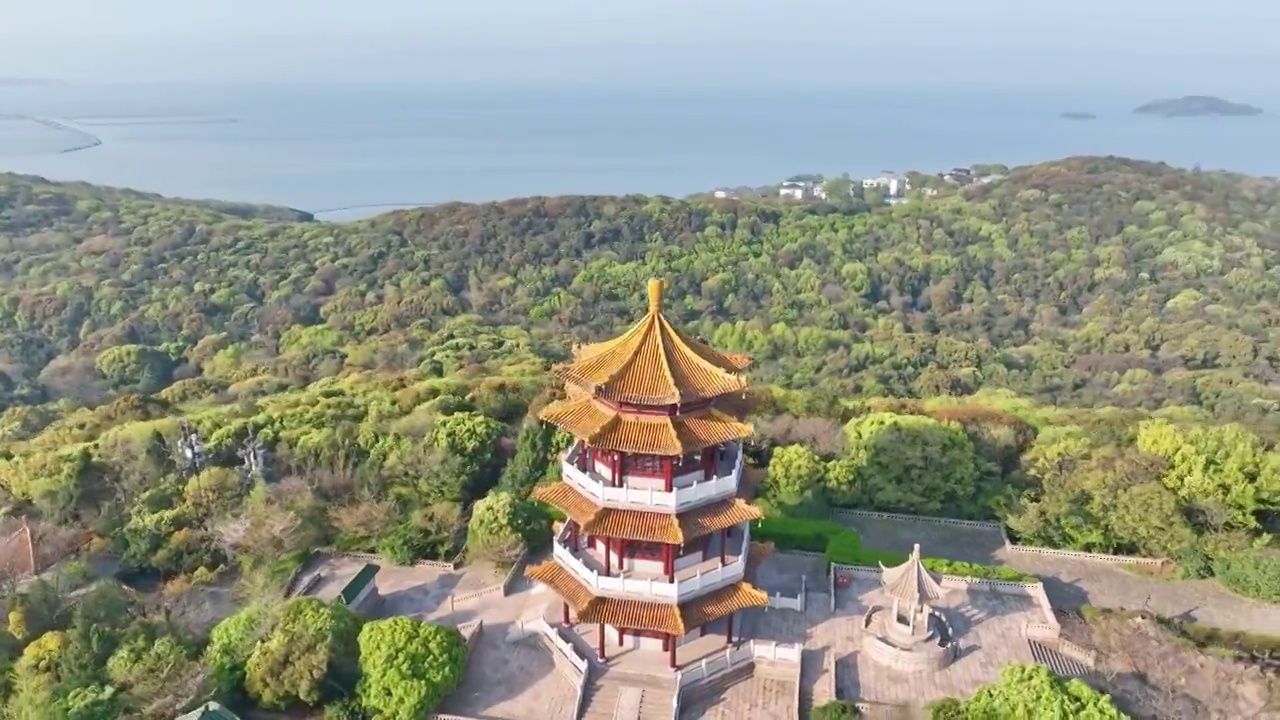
1086 351
1088 281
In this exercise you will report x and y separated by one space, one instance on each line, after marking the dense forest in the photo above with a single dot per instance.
1086 350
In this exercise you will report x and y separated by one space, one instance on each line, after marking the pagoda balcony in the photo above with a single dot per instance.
689 490
695 574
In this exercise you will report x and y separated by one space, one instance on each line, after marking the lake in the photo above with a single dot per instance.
357 148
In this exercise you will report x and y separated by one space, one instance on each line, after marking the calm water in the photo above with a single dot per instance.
320 148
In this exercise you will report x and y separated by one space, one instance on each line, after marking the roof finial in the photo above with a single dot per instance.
655 295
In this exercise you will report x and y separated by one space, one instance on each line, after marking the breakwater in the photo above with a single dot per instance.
83 140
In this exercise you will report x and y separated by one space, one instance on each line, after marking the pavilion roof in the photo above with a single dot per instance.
644 525
599 425
910 581
653 363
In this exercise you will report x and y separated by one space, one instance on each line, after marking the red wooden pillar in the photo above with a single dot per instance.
617 469
729 641
724 540
708 463
668 473
564 613
600 641
671 660
702 631
670 563
621 632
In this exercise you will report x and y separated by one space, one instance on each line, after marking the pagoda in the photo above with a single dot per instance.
656 539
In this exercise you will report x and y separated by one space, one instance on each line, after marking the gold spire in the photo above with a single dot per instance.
655 364
655 295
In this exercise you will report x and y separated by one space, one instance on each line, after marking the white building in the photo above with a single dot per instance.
795 190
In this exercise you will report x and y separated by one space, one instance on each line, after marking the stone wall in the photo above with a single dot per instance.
839 513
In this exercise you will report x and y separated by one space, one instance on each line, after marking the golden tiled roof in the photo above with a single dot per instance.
634 615
715 605
566 498
601 426
563 582
655 364
717 516
644 615
643 525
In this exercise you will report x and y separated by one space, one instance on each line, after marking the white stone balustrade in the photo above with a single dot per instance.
657 589
718 487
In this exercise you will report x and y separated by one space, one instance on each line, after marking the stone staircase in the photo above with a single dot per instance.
657 703
817 681
601 699
1046 654
616 695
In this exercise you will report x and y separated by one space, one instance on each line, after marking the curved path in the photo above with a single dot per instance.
1070 582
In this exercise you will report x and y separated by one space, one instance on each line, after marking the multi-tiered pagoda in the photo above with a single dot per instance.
654 549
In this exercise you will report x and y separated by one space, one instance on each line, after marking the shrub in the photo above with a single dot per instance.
1252 573
842 545
835 710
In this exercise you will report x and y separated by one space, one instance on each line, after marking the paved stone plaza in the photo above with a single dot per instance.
989 627
759 692
518 680
1072 582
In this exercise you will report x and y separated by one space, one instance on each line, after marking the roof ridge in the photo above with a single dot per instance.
632 344
697 356
702 349
664 364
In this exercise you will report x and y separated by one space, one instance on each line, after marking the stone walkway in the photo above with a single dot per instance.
744 694
989 627
1070 582
508 680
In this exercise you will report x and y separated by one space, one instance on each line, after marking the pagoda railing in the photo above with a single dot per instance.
684 498
653 588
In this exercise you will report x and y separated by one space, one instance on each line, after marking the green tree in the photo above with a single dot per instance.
135 368
907 463
308 657
1221 472
232 642
528 466
795 482
500 528
408 667
1029 691
1253 573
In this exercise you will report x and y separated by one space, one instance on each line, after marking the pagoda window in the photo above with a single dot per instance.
643 466
688 463
645 551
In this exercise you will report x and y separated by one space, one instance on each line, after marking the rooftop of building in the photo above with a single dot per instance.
30 547
209 711
654 364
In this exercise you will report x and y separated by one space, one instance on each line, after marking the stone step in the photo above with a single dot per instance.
601 701
656 704
1047 655
712 688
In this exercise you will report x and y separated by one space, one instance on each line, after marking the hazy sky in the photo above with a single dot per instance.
1188 45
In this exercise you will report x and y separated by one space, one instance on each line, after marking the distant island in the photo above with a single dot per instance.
1078 116
1197 106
